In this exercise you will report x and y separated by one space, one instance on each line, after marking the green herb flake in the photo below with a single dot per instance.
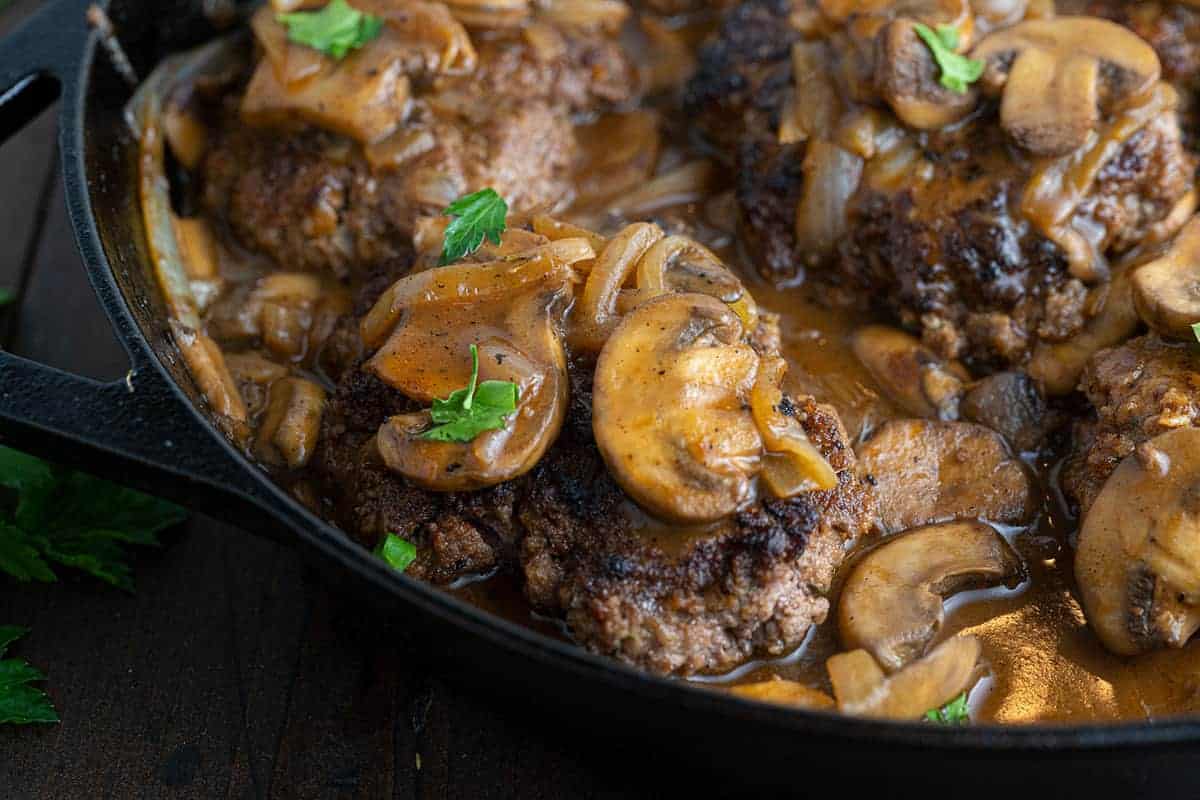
398 553
469 412
958 71
335 30
954 713
1196 330
476 217
20 703
65 517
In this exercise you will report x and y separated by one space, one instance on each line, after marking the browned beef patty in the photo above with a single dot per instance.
1138 390
950 255
310 200
751 587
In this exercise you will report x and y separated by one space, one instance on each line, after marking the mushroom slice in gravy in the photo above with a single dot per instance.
508 308
861 686
670 408
926 471
891 605
1138 558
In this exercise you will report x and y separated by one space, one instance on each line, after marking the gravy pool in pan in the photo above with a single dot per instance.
795 348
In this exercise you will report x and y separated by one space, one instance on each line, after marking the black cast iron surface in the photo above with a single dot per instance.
141 428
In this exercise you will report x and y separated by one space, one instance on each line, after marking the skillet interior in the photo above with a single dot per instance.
100 178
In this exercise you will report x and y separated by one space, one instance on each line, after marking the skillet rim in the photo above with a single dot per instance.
332 543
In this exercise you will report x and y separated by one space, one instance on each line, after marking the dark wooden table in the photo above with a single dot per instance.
232 671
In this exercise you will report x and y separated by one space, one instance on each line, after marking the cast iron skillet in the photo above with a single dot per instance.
147 430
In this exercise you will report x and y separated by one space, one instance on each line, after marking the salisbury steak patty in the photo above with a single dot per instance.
941 237
1138 390
750 587
313 200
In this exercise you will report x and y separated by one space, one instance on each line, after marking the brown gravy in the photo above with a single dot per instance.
1045 663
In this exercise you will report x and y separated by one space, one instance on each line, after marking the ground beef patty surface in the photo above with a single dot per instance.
750 587
948 254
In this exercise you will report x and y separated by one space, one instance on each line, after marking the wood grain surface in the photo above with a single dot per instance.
232 671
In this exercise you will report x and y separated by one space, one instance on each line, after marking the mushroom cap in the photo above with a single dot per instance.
912 375
862 688
891 605
907 77
1166 291
1058 74
927 471
1138 558
670 408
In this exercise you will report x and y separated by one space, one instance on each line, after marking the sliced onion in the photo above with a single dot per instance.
806 469
831 177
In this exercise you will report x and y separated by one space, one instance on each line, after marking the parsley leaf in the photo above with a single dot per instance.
21 703
1196 330
956 712
958 72
335 30
397 552
476 216
469 412
69 518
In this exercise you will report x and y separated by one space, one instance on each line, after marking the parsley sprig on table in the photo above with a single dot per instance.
958 71
956 712
59 516
469 412
21 703
476 216
335 30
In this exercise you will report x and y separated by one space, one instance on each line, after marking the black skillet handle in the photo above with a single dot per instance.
140 430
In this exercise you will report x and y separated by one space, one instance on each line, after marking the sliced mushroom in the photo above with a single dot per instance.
891 605
1011 404
287 434
908 79
1138 557
509 309
784 693
862 688
911 375
1058 75
1166 292
670 408
925 471
366 95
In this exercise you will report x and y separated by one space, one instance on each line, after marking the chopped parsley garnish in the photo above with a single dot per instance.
476 216
955 712
335 30
469 412
958 71
20 703
59 516
1196 330
397 552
